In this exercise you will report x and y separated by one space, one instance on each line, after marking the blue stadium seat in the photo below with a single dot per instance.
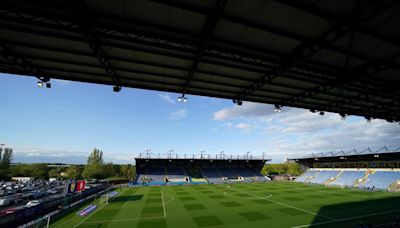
348 178
382 179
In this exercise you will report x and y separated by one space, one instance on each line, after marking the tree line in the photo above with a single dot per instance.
95 168
5 162
285 168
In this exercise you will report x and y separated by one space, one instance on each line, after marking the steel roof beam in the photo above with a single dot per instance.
306 50
376 5
209 26
240 58
227 76
255 24
88 31
22 63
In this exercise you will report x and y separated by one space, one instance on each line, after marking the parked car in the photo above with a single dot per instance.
33 203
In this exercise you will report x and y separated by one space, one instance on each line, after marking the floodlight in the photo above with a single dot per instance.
278 108
117 89
40 84
184 99
48 85
179 99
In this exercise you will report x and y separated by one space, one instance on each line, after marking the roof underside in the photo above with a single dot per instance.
389 156
334 55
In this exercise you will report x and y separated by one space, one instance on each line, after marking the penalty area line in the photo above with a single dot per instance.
163 204
125 220
84 221
286 205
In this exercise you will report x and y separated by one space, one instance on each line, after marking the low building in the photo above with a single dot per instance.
22 179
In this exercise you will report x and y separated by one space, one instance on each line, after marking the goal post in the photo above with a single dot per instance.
106 198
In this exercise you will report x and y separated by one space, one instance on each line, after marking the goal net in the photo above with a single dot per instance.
106 198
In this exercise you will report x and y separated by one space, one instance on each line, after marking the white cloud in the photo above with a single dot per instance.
297 132
247 110
179 114
228 125
166 97
246 128
60 82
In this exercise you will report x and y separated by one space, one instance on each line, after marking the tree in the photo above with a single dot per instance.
96 157
74 172
94 167
21 170
55 172
93 171
127 171
109 170
39 170
286 168
5 163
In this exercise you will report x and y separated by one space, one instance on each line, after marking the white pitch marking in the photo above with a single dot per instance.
124 220
162 199
172 198
83 221
286 205
89 216
349 218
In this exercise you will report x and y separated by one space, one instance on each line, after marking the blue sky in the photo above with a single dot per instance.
64 123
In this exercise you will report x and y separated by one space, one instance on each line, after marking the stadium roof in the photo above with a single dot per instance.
381 154
200 156
335 55
367 151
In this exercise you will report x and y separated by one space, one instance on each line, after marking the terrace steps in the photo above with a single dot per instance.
395 186
361 182
332 179
312 177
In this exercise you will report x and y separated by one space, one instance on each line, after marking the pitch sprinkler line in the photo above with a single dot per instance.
286 205
349 218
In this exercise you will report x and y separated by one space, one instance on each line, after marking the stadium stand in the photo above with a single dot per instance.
348 178
175 173
168 171
382 179
306 176
212 175
323 176
366 169
228 172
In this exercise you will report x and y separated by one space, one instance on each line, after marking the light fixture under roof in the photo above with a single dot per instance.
182 99
278 108
117 88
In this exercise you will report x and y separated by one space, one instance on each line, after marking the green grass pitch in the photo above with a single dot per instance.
273 204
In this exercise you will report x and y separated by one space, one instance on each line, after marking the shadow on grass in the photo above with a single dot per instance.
127 198
351 214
